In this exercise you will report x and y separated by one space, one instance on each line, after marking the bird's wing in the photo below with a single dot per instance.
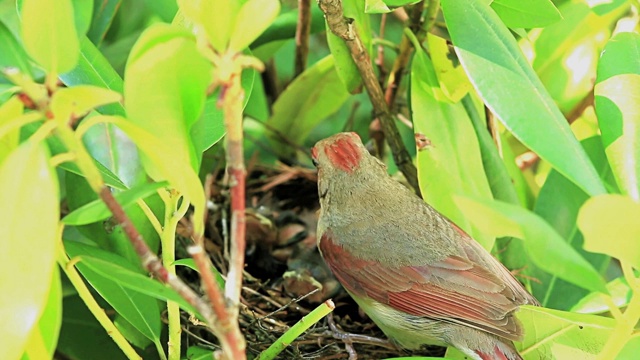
454 289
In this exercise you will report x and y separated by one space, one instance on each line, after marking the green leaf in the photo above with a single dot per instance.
554 334
346 67
94 69
545 247
49 34
617 92
75 102
510 88
12 54
594 303
166 59
454 82
310 98
165 9
376 7
526 14
190 263
566 53
44 338
133 281
29 191
450 162
97 210
163 162
103 14
248 26
216 17
82 334
609 226
284 27
558 203
141 310
9 111
209 129
82 11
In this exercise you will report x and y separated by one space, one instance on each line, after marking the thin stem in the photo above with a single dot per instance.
302 36
432 14
344 29
624 329
92 304
301 326
172 215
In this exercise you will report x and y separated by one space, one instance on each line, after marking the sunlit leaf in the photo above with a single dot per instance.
449 160
248 26
9 111
554 334
27 252
594 303
215 17
545 247
617 94
75 102
166 59
526 14
44 337
49 34
609 224
510 88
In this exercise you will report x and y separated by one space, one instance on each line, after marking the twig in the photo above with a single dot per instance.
153 264
401 61
303 29
296 300
431 15
344 29
380 57
357 338
346 340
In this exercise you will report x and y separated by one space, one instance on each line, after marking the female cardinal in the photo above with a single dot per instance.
416 274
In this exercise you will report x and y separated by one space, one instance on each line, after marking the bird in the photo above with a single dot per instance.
417 275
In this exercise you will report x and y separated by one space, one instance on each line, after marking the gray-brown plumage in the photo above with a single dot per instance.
417 275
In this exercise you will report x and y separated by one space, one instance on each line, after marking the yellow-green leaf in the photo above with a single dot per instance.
49 34
74 102
9 111
254 17
165 86
609 224
29 220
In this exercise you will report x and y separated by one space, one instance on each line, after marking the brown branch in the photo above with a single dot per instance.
302 36
344 29
151 262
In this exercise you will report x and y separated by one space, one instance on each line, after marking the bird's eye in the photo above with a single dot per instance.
315 162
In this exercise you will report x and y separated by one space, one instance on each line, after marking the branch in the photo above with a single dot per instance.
344 29
216 317
302 36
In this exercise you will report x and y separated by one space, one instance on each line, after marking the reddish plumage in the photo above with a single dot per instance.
343 153
420 277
